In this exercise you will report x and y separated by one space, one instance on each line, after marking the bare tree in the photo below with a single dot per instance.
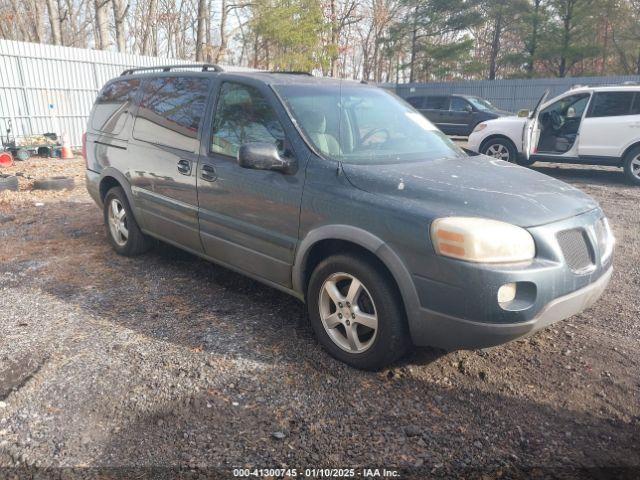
119 14
54 22
201 30
101 24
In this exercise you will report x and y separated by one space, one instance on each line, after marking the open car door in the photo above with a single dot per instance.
531 131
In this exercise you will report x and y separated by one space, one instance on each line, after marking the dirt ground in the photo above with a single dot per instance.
168 364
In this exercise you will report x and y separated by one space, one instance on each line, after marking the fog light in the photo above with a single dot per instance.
506 293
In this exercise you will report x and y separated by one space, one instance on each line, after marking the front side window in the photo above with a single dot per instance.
364 125
460 105
612 104
572 106
243 115
112 105
171 111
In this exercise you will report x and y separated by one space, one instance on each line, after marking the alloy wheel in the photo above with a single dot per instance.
635 167
499 151
118 222
348 313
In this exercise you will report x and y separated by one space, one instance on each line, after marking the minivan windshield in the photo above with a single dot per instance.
481 104
364 125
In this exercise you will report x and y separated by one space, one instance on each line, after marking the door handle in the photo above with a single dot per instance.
184 166
208 173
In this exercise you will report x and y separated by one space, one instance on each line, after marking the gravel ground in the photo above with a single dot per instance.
170 362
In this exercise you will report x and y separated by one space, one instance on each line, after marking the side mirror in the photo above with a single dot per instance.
571 112
468 108
523 113
265 156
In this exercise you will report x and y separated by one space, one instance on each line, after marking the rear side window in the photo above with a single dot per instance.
612 104
437 103
171 111
113 104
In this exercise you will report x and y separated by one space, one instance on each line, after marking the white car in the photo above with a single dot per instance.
586 125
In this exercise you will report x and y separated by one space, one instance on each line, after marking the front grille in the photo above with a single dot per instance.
575 248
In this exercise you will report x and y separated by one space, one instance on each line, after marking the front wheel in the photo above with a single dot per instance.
357 313
500 148
632 166
123 231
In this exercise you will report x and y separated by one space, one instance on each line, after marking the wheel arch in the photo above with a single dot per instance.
498 136
110 178
330 239
628 150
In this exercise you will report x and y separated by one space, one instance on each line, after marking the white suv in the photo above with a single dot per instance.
593 126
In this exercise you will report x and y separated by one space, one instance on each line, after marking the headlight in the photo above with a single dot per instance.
481 240
479 127
605 239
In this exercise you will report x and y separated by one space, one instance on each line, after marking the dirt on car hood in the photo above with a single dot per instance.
478 186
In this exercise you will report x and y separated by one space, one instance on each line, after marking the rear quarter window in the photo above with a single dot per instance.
171 111
113 104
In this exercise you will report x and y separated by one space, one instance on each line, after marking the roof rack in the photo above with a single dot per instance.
205 67
292 72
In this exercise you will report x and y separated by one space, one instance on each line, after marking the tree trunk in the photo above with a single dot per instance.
201 30
54 22
119 14
495 47
38 27
334 39
222 51
566 38
102 24
533 45
414 44
148 34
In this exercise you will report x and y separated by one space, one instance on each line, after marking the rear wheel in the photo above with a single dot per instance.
356 312
123 232
632 166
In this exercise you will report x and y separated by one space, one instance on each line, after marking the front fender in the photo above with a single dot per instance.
368 241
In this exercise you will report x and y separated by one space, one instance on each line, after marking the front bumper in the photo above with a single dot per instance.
452 333
458 305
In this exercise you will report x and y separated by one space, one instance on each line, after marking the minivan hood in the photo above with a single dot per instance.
508 119
478 186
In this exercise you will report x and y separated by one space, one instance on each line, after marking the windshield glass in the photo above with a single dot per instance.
364 125
481 104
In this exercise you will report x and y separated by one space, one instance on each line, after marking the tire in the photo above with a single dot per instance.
632 166
53 183
22 155
378 299
134 242
500 148
8 182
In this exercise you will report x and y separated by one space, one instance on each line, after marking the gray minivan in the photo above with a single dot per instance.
344 196
456 115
